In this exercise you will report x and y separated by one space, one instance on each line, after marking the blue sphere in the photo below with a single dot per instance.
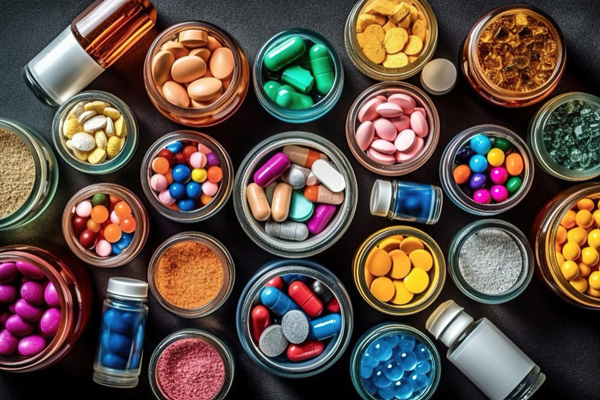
407 343
177 190
365 371
181 173
381 350
418 381
386 393
393 340
423 367
368 360
408 360
481 144
463 155
193 190
477 181
478 163
175 147
393 371
380 380
422 352
403 389
186 205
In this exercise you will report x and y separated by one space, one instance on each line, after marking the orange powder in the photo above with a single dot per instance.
189 275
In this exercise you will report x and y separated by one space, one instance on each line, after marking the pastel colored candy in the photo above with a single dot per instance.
389 110
383 146
413 152
158 182
364 135
418 123
385 129
405 140
387 159
406 102
401 123
368 112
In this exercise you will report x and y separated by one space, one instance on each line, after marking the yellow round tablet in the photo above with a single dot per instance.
594 280
596 216
368 277
570 251
570 270
585 204
568 220
589 256
383 288
584 270
378 262
561 235
593 292
593 238
580 284
400 264
416 281
560 258
577 235
403 295
389 244
411 243
584 219
421 259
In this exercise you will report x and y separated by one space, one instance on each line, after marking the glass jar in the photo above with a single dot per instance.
458 196
218 111
74 289
389 332
535 139
387 89
544 233
228 274
303 270
376 71
107 166
221 348
218 200
437 275
322 106
256 230
46 176
473 70
139 236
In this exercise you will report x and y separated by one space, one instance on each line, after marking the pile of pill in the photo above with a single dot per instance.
398 268
193 69
488 169
391 32
104 224
392 129
186 175
94 131
296 316
396 366
121 339
29 309
298 73
577 246
295 186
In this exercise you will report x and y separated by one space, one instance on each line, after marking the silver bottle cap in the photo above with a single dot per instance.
128 288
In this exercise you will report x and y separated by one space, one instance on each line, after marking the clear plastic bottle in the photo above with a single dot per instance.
484 354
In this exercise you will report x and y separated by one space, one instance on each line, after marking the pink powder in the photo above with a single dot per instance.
190 369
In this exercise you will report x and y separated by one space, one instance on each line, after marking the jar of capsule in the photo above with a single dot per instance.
393 128
315 200
52 308
395 361
105 225
486 170
390 41
564 138
196 74
187 176
566 238
399 270
29 174
294 318
514 56
298 76
191 361
191 274
95 132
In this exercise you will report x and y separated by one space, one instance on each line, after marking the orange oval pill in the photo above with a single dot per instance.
222 63
176 94
585 204
584 219
160 165
187 69
212 43
99 214
176 48
204 199
161 66
514 164
561 235
122 209
378 262
169 176
461 174
204 89
383 288
389 244
215 174
201 52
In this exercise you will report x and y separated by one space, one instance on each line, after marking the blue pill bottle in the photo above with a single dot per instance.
406 201
118 361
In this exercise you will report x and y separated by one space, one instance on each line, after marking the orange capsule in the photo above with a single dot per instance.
122 209
93 225
112 233
514 164
461 174
160 165
215 174
128 224
99 214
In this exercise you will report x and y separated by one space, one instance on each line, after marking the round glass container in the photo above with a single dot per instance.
473 70
256 230
383 332
535 139
139 236
216 343
281 365
544 232
458 196
437 274
320 107
387 89
228 274
107 166
46 176
74 288
379 72
525 253
221 109
218 200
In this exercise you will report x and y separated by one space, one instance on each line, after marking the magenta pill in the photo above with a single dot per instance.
51 295
29 270
158 182
49 322
385 129
499 175
271 170
321 217
8 272
17 326
3 317
7 293
212 159
482 196
364 135
389 110
8 343
27 312
406 102
32 292
31 345
499 193
368 112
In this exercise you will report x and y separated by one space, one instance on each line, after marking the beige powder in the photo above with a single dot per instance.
17 173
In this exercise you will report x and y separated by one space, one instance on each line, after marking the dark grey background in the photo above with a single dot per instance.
562 339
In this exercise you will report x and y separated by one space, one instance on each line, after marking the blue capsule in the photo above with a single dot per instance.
478 163
368 360
181 173
325 327
116 321
175 147
418 381
481 144
423 367
422 352
365 371
193 190
403 390
277 301
392 340
177 190
381 350
380 380
186 204
119 344
393 371
408 360
114 361
386 393
407 343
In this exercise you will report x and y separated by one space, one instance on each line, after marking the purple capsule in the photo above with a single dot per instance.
8 343
477 181
51 295
271 170
32 292
28 312
321 217
8 272
7 293
17 326
29 270
211 160
49 322
31 345
464 155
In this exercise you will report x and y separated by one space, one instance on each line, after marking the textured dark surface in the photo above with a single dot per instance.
562 339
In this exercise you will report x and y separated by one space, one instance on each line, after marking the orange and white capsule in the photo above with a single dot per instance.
257 200
303 156
320 194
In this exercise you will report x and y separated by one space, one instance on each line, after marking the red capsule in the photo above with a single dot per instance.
305 298
260 319
304 351
87 238
276 282
333 306
79 224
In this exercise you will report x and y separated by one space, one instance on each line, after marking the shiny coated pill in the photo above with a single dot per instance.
176 94
364 135
405 140
383 146
221 63
385 129
161 66
389 110
204 89
282 197
187 69
321 217
368 112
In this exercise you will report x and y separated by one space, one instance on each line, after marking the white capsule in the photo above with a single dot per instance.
95 123
329 176
290 230
86 115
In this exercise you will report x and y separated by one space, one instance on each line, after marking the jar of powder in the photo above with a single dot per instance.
191 274
191 361
28 174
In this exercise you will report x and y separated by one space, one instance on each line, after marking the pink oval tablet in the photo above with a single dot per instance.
383 146
387 159
368 112
382 98
405 140
413 152
401 123
389 110
385 129
418 123
364 135
158 182
406 102
165 198
421 110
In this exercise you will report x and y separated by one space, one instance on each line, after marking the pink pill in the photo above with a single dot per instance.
381 97
27 312
198 160
418 123
406 102
389 110
8 272
209 188
364 135
405 140
499 175
368 112
7 293
31 345
165 198
499 193
203 149
482 196
412 153
84 209
401 123
421 110
383 146
158 182
8 343
114 218
32 292
385 129
49 322
30 271
17 326
51 295
103 248
381 158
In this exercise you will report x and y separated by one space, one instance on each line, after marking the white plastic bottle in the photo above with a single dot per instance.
484 354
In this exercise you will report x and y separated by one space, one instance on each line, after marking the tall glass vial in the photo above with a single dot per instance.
484 354
118 360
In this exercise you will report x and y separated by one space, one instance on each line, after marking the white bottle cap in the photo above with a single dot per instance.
381 198
448 322
439 76
127 288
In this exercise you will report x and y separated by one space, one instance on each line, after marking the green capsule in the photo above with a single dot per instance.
100 199
514 184
298 78
304 61
322 68
301 209
287 97
502 144
284 53
271 88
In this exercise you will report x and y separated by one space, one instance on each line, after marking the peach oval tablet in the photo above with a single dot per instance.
193 38
386 159
385 129
161 67
406 102
368 112
212 44
176 48
364 135
222 63
176 94
405 140
187 69
401 123
413 152
418 123
383 146
201 52
389 110
204 89
378 262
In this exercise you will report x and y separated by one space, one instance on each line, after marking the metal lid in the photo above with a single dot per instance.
381 198
127 288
